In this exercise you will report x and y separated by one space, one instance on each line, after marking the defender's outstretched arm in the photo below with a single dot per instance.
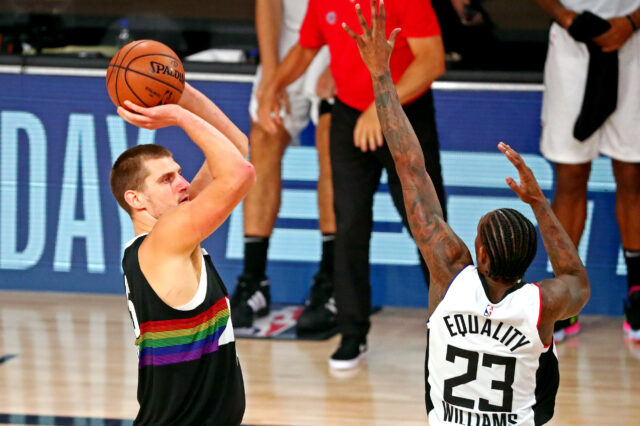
442 249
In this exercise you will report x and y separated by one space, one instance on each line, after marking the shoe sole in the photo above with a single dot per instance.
346 364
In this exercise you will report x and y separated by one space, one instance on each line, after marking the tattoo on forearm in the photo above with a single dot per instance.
560 249
435 239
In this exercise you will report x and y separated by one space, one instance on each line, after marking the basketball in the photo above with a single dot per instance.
147 73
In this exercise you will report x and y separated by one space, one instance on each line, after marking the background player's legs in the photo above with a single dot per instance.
261 207
570 206
320 312
570 198
356 176
628 214
327 217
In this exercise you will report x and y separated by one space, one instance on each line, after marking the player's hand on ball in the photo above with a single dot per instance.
150 118
374 47
529 191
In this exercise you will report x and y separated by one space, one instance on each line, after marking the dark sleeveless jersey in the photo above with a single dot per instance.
188 370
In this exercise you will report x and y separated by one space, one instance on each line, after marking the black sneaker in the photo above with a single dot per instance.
320 312
352 350
632 314
566 328
252 297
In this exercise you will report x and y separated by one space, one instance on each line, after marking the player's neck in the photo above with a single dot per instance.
496 288
143 223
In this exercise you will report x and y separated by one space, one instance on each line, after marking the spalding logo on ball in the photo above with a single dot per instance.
147 73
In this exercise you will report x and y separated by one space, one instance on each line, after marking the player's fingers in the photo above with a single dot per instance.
134 107
382 13
363 22
349 31
374 15
132 116
393 35
514 186
380 138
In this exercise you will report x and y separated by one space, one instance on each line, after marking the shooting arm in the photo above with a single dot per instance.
193 100
183 228
441 248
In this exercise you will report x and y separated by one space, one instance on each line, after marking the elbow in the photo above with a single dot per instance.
585 287
246 176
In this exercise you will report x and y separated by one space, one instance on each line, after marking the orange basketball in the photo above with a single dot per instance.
147 73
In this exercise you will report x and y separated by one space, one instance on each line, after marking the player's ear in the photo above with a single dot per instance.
134 199
483 258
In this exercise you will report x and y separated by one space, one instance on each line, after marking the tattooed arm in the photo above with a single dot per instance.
566 294
443 251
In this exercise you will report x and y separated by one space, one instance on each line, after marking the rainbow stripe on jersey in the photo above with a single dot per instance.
182 340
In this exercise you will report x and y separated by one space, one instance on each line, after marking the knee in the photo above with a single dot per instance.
572 179
265 148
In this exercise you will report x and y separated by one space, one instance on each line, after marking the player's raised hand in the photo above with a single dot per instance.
374 47
529 191
151 118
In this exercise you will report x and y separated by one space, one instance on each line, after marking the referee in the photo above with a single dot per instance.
358 151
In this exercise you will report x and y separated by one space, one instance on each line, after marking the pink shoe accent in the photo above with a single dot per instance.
572 329
633 289
626 327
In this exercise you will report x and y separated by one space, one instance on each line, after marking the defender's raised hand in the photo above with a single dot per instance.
374 47
529 191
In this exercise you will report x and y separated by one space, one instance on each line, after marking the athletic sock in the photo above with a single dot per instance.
328 244
632 258
255 255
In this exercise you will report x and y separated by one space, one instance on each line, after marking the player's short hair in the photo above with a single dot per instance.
511 242
129 171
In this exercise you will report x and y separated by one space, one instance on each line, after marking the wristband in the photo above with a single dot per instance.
633 24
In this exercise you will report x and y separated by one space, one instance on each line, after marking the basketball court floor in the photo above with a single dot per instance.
70 359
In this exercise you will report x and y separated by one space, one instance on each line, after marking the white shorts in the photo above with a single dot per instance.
565 77
302 96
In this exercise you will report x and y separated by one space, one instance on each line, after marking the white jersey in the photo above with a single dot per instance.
293 13
486 364
604 8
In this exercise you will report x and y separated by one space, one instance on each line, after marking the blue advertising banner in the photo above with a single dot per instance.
61 230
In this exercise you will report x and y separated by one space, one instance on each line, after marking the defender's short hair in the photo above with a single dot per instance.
511 242
129 172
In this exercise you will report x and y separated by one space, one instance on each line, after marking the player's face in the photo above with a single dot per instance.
164 187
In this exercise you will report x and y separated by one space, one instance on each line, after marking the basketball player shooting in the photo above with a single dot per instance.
188 372
490 357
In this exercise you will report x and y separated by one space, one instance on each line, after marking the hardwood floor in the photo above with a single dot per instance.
73 356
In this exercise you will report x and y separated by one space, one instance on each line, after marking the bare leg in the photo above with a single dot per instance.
326 214
570 206
628 203
263 201
570 199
